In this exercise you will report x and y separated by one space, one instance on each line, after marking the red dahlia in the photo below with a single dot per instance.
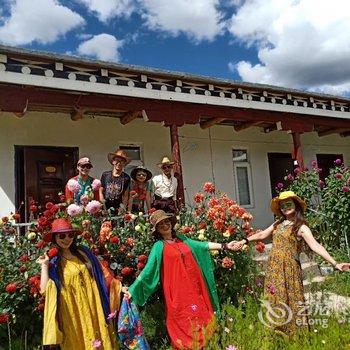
4 318
52 252
11 288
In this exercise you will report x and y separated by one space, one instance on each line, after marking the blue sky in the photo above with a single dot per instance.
294 43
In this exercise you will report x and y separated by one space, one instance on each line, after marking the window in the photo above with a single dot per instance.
243 179
134 152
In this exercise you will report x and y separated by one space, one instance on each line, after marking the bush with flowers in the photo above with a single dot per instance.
123 244
328 212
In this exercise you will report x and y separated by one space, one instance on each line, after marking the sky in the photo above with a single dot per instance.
303 44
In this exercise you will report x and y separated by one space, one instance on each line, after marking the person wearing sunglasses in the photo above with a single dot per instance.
165 187
85 181
140 190
283 278
81 294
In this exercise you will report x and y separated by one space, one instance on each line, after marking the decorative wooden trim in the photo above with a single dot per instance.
331 131
211 122
130 116
77 114
246 125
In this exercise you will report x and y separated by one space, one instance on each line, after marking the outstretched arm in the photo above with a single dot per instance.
306 233
43 260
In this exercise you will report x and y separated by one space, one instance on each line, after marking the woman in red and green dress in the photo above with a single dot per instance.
184 269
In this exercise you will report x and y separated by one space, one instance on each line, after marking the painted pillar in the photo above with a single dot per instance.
175 149
297 153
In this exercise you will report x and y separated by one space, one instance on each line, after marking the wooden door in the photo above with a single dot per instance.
326 162
46 171
280 164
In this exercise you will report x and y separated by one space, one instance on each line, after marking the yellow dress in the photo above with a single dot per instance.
83 320
283 288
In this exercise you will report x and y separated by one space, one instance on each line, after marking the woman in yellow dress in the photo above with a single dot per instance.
283 288
81 295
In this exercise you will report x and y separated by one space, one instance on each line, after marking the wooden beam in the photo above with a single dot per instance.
297 153
331 131
77 114
345 134
246 125
130 116
211 122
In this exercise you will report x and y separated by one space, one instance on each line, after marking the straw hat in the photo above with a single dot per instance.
60 225
158 216
120 154
275 202
140 168
165 161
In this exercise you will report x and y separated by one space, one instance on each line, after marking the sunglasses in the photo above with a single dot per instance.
167 167
64 235
287 205
86 166
119 160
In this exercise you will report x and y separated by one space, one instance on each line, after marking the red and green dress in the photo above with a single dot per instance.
184 268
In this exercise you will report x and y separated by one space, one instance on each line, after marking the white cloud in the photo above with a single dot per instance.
102 46
43 21
107 9
198 19
301 43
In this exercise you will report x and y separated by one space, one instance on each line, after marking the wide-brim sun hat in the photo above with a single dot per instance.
158 216
119 153
60 225
140 168
165 161
275 202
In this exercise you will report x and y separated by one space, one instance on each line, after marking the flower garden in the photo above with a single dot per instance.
123 244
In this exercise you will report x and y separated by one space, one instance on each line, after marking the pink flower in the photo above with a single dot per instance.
96 343
338 161
93 207
112 315
297 171
74 210
338 176
84 199
271 288
279 185
321 183
96 184
345 189
290 177
231 347
73 185
314 163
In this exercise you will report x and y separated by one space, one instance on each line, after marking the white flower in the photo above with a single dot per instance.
31 235
140 214
202 231
138 228
227 330
226 234
74 210
201 237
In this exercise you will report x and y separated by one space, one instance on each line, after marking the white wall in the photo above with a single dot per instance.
97 136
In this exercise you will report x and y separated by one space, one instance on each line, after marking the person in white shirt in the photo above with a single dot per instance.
165 187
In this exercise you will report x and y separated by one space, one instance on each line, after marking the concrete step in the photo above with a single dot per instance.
310 282
333 302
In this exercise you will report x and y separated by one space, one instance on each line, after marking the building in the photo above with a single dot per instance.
243 137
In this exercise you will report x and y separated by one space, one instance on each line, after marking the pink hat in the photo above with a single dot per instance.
84 161
59 225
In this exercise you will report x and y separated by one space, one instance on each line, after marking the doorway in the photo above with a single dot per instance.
41 173
280 164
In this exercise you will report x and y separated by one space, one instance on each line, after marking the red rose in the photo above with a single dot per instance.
17 217
40 307
62 198
198 197
34 280
33 208
127 217
126 271
152 210
130 242
202 225
142 258
114 240
140 266
47 213
260 247
24 258
41 244
209 187
54 209
49 205
11 288
52 252
43 221
186 229
227 262
23 268
4 318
